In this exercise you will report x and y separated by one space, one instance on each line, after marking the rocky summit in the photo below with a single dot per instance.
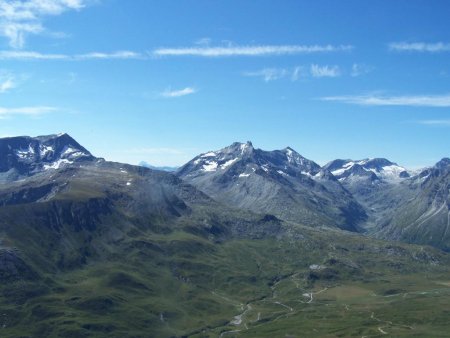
25 156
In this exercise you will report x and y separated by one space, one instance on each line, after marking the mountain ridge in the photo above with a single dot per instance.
281 182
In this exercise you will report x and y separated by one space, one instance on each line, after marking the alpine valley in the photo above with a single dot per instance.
238 242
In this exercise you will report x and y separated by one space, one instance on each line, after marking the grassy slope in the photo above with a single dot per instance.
179 284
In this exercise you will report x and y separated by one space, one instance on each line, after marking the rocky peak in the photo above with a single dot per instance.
24 155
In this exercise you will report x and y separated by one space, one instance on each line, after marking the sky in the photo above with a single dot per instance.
164 80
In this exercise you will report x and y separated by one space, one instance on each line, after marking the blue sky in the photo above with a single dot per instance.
161 81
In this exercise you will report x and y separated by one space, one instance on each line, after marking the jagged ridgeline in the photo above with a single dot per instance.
238 242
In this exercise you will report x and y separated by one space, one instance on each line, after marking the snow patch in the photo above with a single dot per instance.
57 164
282 173
289 156
210 154
228 163
244 175
44 150
210 166
243 147
25 153
69 152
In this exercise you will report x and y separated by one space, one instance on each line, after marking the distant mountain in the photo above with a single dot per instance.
370 170
423 215
369 181
148 165
280 182
24 156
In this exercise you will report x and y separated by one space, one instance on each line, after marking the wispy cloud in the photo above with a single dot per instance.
314 70
297 73
19 55
420 47
411 101
124 54
444 123
21 18
7 81
325 71
203 41
34 111
268 74
257 50
359 69
29 55
168 93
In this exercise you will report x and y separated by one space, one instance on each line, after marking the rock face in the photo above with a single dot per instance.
25 156
279 182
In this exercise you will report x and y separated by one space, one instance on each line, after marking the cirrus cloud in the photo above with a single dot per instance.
19 18
33 111
405 100
168 93
420 47
252 50
325 71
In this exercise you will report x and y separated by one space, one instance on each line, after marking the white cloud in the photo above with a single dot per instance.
19 18
325 71
445 123
203 41
123 54
268 74
359 69
296 73
271 74
262 50
27 111
6 85
411 101
29 55
7 82
419 47
19 55
178 93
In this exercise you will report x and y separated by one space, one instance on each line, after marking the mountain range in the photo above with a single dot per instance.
238 241
365 196
373 196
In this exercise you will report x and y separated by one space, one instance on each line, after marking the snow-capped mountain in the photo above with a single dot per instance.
375 169
280 182
369 181
24 156
244 161
424 216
